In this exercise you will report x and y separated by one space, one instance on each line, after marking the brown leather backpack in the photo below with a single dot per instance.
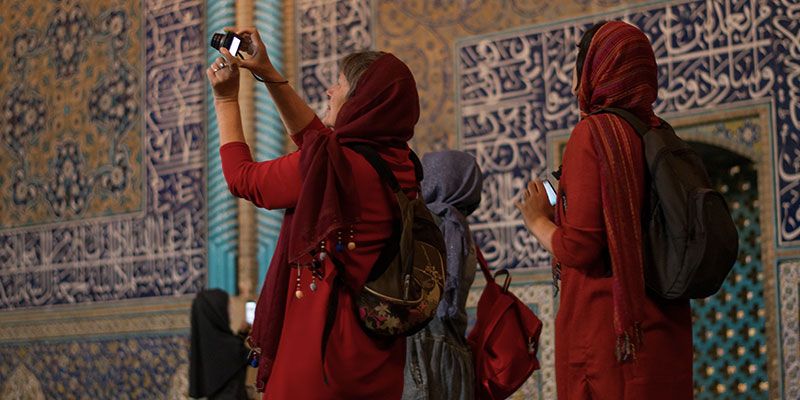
405 285
403 289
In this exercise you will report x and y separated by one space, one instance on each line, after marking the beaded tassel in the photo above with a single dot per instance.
298 293
316 266
351 245
322 253
339 243
313 285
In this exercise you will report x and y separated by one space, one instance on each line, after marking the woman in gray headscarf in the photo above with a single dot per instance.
438 360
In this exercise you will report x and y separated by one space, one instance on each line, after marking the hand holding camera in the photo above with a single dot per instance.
224 76
247 44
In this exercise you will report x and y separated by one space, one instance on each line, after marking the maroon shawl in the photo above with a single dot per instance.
382 112
620 71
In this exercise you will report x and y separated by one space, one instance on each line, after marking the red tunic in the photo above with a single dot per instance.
357 367
586 367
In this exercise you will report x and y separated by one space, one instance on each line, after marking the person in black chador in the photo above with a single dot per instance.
217 356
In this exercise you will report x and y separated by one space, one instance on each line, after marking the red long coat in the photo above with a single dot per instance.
586 367
356 366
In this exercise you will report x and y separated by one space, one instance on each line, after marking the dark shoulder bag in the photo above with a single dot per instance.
402 292
690 240
405 284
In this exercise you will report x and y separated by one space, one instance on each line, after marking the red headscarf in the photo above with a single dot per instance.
381 111
620 71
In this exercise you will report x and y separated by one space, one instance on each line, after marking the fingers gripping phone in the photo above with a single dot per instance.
551 192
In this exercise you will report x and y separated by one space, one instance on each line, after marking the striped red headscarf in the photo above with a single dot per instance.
620 71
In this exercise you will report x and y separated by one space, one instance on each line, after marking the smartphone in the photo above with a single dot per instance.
551 192
250 312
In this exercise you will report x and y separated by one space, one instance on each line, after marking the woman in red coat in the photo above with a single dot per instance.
336 206
613 340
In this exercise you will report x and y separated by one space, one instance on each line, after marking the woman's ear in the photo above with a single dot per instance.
574 80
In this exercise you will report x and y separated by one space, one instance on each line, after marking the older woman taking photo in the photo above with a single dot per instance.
336 205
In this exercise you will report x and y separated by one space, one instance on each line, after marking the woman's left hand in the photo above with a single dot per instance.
224 76
535 204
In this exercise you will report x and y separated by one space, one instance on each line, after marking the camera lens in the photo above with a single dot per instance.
216 40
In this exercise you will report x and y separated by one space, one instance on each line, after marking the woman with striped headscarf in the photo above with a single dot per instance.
613 340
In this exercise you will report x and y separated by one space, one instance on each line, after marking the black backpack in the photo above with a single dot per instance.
690 240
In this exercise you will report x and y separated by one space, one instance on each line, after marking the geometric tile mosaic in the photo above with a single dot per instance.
326 31
223 222
514 88
729 328
71 137
270 135
789 299
130 368
159 250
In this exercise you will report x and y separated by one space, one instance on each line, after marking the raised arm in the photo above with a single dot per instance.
272 184
269 184
223 74
295 113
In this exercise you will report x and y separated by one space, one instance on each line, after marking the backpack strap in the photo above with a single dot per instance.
488 273
419 172
498 308
640 127
387 176
380 166
377 162
483 264
387 253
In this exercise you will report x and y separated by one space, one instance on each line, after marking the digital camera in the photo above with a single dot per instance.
229 40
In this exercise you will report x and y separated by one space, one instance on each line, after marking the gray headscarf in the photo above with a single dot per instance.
452 191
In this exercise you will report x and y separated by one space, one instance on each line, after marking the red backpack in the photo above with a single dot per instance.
504 340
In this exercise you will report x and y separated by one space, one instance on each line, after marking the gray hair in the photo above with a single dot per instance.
354 65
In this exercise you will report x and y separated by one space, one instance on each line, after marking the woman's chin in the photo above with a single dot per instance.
328 119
